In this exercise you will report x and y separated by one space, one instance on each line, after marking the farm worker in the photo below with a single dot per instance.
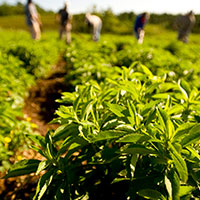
140 22
65 22
33 20
96 23
184 25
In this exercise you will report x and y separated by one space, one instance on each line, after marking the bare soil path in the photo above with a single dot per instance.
40 106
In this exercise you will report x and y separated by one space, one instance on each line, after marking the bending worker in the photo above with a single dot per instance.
65 23
33 20
140 22
184 25
96 24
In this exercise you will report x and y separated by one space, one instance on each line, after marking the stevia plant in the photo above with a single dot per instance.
119 134
21 62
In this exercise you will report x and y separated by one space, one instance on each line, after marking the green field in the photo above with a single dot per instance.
128 123
18 22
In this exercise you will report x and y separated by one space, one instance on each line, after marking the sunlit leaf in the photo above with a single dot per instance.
151 194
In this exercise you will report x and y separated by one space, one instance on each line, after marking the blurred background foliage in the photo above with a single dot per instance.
12 16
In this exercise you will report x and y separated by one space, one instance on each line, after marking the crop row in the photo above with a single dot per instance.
21 62
130 127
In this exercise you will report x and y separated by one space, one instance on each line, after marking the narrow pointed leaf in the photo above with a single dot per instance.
179 163
186 190
175 183
22 168
116 109
37 139
132 112
192 136
146 71
185 89
107 135
151 194
43 184
65 131
133 138
139 149
43 164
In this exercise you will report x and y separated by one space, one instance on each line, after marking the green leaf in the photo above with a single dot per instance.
72 144
43 164
175 184
86 109
183 130
133 138
43 184
133 163
67 97
117 180
79 98
192 137
146 71
37 149
38 139
83 197
163 118
106 94
64 131
150 117
185 88
78 144
50 150
179 163
128 129
168 186
76 103
191 154
166 123
148 107
177 109
166 86
66 144
116 109
65 112
22 168
133 113
130 87
107 135
151 88
160 96
111 124
193 94
151 194
138 149
186 190
170 129
168 103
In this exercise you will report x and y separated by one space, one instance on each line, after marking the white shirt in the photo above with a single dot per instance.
94 20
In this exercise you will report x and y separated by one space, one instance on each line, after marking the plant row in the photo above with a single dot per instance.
21 62
127 130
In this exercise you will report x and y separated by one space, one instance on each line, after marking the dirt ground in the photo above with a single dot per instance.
39 107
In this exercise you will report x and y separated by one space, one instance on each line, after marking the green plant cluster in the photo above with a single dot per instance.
160 55
14 82
21 62
129 129
93 62
36 57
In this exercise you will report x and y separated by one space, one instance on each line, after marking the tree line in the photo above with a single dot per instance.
111 21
